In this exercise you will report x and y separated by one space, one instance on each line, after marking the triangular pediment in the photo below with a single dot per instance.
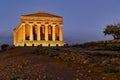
42 14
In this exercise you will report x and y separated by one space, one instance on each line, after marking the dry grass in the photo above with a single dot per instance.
99 62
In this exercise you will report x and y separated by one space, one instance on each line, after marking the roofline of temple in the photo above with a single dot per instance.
42 14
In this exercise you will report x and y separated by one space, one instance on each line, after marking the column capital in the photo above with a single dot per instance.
31 24
26 22
53 25
38 24
46 24
22 23
61 25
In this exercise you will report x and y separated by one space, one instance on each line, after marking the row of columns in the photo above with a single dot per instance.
46 32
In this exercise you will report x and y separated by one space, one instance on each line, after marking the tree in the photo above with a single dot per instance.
113 30
4 46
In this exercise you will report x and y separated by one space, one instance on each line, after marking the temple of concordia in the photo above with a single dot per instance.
40 28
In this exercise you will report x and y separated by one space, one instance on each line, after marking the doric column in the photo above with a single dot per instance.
46 32
60 33
14 37
53 32
23 26
38 32
31 32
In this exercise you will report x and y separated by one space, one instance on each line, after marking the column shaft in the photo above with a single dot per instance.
31 32
46 32
38 32
23 25
53 32
14 37
60 33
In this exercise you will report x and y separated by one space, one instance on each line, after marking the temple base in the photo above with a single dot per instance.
40 43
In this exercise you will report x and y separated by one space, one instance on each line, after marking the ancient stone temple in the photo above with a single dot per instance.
41 28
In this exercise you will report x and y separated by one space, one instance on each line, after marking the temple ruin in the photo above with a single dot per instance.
39 28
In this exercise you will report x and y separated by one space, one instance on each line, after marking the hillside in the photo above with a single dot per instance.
59 63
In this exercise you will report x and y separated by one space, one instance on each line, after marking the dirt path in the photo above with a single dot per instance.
18 64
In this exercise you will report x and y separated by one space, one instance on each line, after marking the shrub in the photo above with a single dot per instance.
15 78
111 70
40 52
4 46
56 48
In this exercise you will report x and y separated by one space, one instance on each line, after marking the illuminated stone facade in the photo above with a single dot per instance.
39 28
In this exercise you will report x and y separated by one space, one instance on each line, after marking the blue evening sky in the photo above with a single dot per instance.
84 20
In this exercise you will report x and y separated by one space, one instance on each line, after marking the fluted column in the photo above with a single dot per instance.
60 33
38 32
46 32
53 32
14 37
31 32
23 25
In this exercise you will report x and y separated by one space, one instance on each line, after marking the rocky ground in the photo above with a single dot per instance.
68 63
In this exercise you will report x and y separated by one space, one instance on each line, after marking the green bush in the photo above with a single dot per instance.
110 70
15 78
4 46
40 52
